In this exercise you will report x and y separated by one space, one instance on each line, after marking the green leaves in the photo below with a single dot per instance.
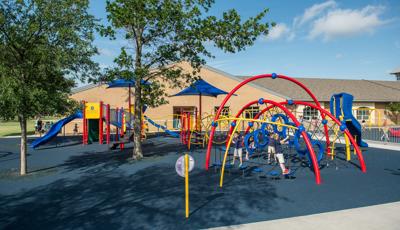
394 107
44 46
166 32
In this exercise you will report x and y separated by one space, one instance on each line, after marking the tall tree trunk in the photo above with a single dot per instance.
23 165
137 123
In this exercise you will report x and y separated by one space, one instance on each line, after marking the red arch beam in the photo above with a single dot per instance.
326 113
241 84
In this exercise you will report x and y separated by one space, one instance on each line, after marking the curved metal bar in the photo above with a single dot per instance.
240 85
334 119
303 133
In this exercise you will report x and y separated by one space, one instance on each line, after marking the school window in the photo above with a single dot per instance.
362 114
251 112
310 113
225 111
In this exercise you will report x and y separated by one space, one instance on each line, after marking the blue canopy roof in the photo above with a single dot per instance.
201 87
121 83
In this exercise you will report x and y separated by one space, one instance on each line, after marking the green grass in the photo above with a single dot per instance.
12 128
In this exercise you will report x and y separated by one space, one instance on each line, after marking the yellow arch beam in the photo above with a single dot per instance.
231 138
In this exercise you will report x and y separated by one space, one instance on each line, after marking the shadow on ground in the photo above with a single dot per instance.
90 187
152 198
111 159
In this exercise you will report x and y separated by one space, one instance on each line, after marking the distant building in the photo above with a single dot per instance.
370 97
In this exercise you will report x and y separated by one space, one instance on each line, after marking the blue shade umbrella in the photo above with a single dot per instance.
201 88
122 83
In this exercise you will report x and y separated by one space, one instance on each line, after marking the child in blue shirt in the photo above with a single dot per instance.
271 148
238 147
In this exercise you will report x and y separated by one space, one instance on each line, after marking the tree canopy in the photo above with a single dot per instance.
163 33
44 46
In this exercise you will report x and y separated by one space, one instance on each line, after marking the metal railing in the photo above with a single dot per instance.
383 134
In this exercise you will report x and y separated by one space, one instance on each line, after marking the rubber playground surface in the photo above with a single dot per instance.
90 187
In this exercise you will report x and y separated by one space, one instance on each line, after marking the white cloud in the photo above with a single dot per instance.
338 56
312 12
347 22
291 36
278 31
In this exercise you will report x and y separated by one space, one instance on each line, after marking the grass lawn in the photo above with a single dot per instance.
12 128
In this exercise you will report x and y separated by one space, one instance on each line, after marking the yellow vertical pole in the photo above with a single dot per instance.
226 154
187 185
190 138
370 117
379 119
346 139
347 142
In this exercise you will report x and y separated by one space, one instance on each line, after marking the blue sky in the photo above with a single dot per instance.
357 39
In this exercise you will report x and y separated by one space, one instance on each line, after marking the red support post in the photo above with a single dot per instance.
84 124
121 144
181 131
183 127
117 130
108 124
188 129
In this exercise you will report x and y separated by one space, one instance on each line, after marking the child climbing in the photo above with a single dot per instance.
238 147
251 146
271 148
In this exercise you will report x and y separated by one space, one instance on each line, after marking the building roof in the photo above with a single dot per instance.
84 88
362 90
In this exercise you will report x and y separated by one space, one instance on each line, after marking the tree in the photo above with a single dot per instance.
163 33
394 111
44 46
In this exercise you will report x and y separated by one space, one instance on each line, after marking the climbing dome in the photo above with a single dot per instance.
314 138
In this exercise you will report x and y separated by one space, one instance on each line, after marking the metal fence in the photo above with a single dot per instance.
383 134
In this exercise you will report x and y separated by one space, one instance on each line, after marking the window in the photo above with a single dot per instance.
251 112
310 113
225 111
362 114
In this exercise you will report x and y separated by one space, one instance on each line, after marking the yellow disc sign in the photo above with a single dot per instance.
92 110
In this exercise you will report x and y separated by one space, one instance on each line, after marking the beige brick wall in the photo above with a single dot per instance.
118 97
383 113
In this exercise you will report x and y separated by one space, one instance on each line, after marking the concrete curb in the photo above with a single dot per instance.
384 216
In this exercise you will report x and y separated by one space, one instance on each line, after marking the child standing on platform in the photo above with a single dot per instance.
238 147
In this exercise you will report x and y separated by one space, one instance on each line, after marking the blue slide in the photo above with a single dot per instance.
341 105
55 129
172 133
